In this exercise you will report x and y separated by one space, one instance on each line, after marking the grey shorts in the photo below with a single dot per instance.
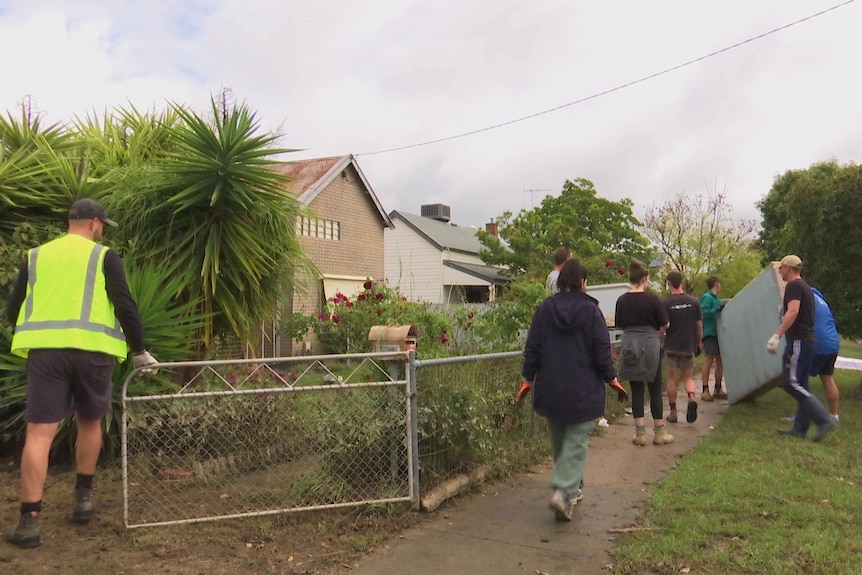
679 361
63 381
710 345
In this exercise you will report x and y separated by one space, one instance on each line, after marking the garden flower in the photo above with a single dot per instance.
367 284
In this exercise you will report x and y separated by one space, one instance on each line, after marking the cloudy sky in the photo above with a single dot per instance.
337 77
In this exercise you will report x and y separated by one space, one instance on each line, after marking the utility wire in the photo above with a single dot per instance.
614 89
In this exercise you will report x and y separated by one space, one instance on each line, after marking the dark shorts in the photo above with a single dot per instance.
678 360
63 381
710 345
823 364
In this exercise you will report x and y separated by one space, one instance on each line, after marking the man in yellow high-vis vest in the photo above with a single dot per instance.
73 315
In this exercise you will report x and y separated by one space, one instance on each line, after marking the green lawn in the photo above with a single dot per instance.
748 501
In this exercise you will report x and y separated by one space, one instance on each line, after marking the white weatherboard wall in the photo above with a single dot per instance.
413 265
744 327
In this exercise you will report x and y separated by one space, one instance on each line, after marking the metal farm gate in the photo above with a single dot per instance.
264 436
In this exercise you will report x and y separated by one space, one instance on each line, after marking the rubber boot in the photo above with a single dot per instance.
671 417
662 437
819 415
640 437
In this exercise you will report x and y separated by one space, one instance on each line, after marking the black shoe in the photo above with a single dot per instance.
82 508
691 411
793 432
26 534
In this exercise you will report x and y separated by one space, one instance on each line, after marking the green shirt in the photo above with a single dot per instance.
709 305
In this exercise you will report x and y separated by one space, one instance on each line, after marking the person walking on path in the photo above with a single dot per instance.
561 256
642 316
68 305
711 306
567 361
797 326
682 343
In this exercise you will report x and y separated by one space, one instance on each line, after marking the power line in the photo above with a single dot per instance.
614 89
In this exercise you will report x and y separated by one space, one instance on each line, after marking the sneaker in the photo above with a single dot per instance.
788 419
82 507
671 417
793 432
26 534
706 396
691 411
720 394
561 505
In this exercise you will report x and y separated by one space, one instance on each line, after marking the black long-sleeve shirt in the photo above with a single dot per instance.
125 307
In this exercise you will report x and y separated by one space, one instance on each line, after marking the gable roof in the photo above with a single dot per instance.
443 235
310 177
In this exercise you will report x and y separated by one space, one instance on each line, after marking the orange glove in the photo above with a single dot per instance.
622 394
525 389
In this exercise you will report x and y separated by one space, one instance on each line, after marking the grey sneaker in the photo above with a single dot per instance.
561 505
82 507
26 534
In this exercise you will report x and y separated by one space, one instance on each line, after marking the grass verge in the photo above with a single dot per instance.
750 501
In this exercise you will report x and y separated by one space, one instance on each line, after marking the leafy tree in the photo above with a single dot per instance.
815 214
698 234
597 230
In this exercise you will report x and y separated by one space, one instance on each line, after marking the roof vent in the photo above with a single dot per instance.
440 212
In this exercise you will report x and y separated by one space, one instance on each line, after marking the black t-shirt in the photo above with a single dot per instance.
684 312
803 327
639 309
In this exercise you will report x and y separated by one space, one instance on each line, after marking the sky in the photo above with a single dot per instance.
334 77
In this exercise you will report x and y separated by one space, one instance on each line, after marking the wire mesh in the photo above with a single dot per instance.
243 438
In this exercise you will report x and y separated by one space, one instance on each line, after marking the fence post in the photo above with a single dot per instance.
413 428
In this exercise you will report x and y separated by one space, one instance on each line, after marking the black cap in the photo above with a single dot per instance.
87 209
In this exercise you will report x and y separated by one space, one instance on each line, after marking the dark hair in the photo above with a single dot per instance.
572 275
637 271
674 278
561 255
710 283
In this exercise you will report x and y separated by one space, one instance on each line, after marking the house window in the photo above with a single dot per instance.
318 228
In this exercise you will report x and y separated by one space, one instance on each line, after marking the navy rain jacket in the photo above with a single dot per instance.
568 358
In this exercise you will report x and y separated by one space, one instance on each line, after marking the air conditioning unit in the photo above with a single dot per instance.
439 212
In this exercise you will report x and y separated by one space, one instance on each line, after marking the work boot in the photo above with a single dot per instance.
561 505
26 534
671 417
719 393
82 507
662 437
691 411
706 396
640 437
815 410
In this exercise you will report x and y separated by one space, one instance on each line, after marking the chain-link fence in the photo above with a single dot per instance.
255 437
264 436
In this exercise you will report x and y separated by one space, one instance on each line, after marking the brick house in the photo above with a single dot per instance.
343 237
431 259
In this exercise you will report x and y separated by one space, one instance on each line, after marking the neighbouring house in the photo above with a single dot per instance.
343 237
429 258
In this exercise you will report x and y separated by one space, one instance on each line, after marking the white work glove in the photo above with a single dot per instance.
772 344
143 359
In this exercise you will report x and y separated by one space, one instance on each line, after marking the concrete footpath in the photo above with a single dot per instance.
506 528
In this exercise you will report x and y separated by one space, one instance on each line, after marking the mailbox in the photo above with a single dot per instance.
393 337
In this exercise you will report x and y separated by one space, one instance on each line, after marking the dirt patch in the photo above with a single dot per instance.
500 527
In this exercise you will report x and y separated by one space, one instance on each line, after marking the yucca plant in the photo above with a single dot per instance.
215 208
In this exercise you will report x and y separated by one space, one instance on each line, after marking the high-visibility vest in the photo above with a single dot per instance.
66 305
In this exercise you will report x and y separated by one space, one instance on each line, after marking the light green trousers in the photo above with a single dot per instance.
569 445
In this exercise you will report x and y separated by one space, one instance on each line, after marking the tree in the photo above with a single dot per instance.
698 234
815 214
596 229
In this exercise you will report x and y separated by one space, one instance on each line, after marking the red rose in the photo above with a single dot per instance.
444 338
335 319
361 297
367 284
609 263
378 296
621 271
